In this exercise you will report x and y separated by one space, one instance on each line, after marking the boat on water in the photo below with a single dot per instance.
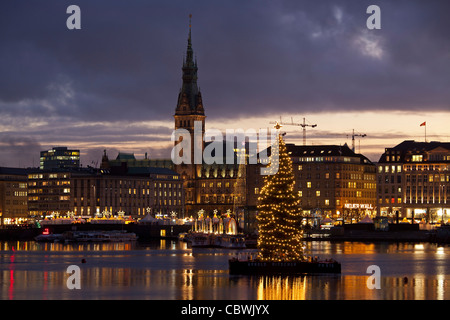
99 236
47 236
249 265
204 240
232 242
86 236
211 240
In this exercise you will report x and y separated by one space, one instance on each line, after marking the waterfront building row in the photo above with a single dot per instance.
89 192
411 181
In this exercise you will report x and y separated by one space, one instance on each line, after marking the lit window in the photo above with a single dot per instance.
308 184
318 193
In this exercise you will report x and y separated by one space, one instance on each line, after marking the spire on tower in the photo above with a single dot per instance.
189 99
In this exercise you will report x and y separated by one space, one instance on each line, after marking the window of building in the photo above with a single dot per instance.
318 193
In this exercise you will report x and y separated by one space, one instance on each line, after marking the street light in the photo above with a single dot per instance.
441 201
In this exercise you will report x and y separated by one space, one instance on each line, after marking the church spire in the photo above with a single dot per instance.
189 99
190 52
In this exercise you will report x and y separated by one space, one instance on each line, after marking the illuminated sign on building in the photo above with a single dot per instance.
358 206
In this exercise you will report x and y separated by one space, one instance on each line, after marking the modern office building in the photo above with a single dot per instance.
59 158
414 182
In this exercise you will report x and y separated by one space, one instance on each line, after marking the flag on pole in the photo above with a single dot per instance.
424 124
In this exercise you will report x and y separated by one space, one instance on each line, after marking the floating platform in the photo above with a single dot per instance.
251 267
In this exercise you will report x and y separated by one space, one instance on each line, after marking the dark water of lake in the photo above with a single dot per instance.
169 270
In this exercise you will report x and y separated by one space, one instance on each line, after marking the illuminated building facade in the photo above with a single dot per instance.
414 182
136 194
13 195
59 158
334 181
207 187
49 192
89 192
331 180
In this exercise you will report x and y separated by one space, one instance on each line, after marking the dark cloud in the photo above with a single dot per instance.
19 151
254 56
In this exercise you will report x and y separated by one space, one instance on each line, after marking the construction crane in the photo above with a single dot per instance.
303 125
353 139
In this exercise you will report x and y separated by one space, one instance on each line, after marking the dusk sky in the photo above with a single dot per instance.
114 84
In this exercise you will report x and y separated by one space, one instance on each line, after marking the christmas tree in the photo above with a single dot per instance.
279 215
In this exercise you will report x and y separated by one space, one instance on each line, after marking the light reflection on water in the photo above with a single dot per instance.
170 270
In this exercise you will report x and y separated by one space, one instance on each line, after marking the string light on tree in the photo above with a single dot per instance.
279 214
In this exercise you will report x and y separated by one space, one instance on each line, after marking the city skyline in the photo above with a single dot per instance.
113 84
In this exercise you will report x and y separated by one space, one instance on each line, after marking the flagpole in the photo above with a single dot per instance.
425 132
425 125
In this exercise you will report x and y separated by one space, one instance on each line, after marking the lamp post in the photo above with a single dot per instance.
441 201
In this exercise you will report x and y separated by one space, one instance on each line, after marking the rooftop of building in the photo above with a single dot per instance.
324 153
412 145
125 156
15 171
404 151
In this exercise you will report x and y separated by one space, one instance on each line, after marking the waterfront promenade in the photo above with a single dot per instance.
351 232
